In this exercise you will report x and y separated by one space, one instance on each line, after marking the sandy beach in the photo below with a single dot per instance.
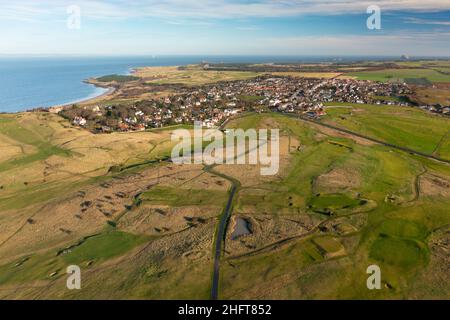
109 91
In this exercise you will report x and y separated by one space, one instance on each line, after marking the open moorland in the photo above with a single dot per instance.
364 184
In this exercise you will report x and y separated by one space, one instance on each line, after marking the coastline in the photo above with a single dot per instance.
109 92
91 81
91 99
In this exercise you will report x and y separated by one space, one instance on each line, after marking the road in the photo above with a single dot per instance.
221 229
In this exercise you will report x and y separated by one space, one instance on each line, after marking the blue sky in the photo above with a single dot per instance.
225 27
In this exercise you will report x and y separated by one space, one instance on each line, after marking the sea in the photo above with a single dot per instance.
34 82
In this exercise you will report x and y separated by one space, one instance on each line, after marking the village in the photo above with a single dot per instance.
213 104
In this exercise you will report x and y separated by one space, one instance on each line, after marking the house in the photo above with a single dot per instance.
79 121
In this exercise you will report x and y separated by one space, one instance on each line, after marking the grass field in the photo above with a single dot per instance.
407 127
338 205
34 137
402 75
184 197
432 96
312 75
192 75
59 194
391 230
117 78
92 250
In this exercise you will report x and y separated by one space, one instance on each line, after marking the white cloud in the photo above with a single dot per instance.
249 28
31 9
414 44
429 22
431 44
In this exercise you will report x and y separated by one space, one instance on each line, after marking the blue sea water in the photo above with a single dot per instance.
27 82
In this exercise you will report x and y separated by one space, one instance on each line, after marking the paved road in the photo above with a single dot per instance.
221 232
220 238
222 229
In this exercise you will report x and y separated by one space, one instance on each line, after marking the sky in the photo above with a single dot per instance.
224 27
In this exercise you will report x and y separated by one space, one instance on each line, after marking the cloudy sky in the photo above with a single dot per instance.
224 27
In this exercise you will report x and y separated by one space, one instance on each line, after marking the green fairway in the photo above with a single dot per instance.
406 127
117 78
35 136
94 249
398 252
183 197
333 202
402 75
103 247
404 229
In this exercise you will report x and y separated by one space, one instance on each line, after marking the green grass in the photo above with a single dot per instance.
400 243
39 193
334 202
398 252
403 229
193 77
328 244
400 75
258 271
402 126
388 98
96 249
250 99
444 148
102 247
395 236
36 137
180 197
117 78
295 189
170 128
